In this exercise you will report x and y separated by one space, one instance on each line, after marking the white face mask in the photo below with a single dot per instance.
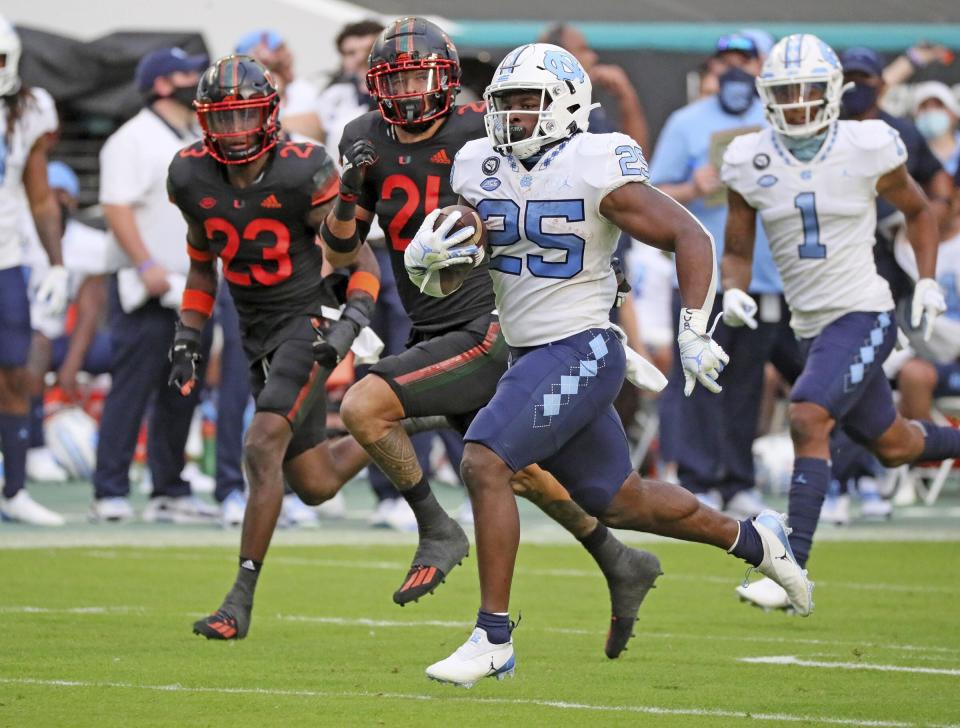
933 123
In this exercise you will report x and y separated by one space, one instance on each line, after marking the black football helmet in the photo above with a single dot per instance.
237 105
414 72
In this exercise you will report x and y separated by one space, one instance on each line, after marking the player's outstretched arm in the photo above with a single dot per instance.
900 190
647 214
339 230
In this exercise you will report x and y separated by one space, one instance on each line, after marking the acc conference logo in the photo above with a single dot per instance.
490 165
490 184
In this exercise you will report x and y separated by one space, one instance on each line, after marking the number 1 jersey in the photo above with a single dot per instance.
551 248
820 216
407 182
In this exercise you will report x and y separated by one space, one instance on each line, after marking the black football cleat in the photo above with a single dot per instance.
222 625
444 547
629 580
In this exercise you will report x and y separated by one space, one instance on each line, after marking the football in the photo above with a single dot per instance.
452 277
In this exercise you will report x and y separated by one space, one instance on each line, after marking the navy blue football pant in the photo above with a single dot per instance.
391 323
710 436
139 373
232 399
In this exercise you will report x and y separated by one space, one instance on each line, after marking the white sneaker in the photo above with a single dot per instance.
42 467
475 659
465 513
181 509
780 564
199 481
378 519
295 513
233 508
872 504
711 499
400 517
766 594
336 507
835 509
111 509
25 509
745 504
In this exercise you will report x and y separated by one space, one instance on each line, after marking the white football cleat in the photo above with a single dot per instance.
296 514
114 510
25 509
474 660
766 594
780 564
179 509
836 509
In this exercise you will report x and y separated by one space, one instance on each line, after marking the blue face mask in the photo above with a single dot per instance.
859 100
737 90
806 148
934 123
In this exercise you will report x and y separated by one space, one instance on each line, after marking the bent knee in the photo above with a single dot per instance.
809 423
367 404
479 464
918 373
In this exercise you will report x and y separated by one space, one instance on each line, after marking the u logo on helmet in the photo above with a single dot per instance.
564 66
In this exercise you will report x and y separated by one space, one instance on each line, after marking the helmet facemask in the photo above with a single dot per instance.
239 131
555 121
413 93
801 108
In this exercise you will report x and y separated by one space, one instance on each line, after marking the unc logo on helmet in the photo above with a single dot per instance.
564 66
528 73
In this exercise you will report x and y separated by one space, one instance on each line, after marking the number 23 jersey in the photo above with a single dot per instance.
550 247
820 216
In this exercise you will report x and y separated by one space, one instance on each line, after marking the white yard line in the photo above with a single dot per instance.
450 698
792 660
454 624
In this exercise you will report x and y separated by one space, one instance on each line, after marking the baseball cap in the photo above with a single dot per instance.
269 38
763 40
165 61
737 42
935 90
864 60
61 177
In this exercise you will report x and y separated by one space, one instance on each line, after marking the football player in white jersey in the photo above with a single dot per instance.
554 199
26 116
814 182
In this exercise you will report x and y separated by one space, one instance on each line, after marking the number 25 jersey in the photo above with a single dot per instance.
820 216
550 247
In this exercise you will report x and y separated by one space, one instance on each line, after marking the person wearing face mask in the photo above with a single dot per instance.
710 437
936 112
149 232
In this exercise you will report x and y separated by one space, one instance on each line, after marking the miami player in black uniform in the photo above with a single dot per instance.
456 353
257 202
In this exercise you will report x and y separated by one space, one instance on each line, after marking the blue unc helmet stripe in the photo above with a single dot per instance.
792 53
510 63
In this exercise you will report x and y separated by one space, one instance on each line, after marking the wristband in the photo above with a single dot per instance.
198 301
915 58
146 265
364 281
339 245
346 207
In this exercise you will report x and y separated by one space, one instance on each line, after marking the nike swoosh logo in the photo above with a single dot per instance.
783 556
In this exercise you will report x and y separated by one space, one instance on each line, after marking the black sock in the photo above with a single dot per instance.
940 442
748 547
425 506
497 626
246 583
15 440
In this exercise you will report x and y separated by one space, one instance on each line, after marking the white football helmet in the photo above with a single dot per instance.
565 92
10 49
802 74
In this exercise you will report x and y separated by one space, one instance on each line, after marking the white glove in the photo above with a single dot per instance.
430 251
739 309
52 292
701 357
927 302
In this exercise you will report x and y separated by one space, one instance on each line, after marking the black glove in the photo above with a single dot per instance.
623 288
334 341
356 159
184 357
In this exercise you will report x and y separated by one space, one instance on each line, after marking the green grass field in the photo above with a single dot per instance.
100 635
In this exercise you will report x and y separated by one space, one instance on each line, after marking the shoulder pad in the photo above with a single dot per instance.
742 148
609 160
870 134
358 128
